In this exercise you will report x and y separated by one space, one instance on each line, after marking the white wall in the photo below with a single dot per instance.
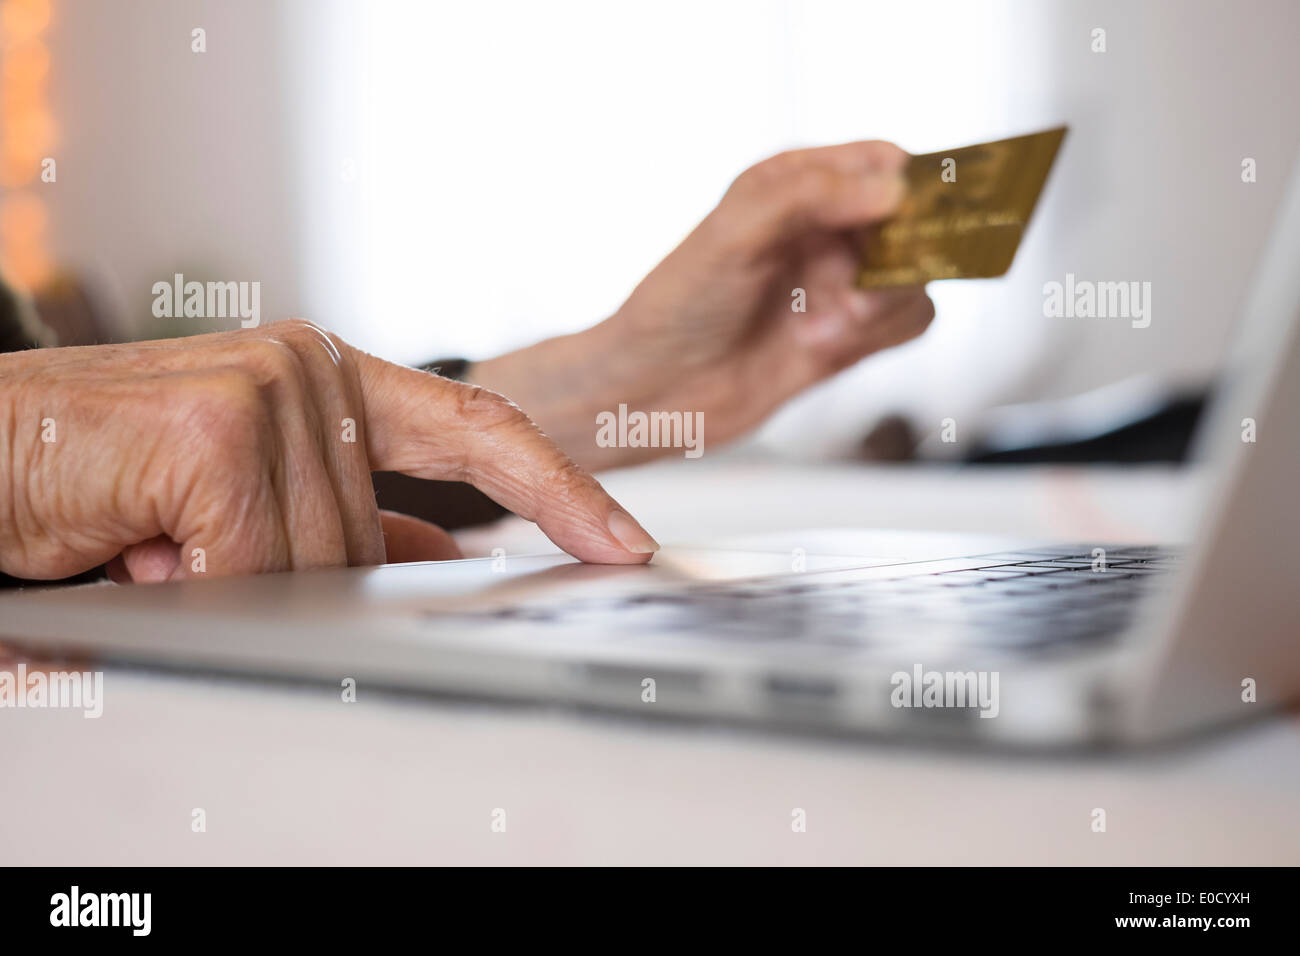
171 161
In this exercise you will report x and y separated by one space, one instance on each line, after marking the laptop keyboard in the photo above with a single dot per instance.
1024 601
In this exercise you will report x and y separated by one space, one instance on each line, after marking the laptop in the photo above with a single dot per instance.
1022 644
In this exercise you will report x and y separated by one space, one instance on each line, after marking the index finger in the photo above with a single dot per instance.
430 427
828 187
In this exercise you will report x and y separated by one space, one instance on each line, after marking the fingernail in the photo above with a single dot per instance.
630 534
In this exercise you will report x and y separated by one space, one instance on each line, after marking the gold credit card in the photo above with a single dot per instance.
964 212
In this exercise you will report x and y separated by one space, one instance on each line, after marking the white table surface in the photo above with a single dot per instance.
293 775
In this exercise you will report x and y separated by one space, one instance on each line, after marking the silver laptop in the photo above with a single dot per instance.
1033 643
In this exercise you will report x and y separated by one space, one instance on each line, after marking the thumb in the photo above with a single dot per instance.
148 562
407 538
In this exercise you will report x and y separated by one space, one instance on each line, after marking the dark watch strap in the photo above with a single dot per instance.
454 368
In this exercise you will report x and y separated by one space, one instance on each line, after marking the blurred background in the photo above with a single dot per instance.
438 178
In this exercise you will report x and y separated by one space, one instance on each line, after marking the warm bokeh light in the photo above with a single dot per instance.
25 66
22 215
22 20
27 133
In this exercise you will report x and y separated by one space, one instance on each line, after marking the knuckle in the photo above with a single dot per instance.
756 179
883 151
787 184
767 174
296 327
568 478
776 190
307 339
272 360
781 167
487 408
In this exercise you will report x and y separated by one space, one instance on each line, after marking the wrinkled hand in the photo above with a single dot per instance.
251 451
713 328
